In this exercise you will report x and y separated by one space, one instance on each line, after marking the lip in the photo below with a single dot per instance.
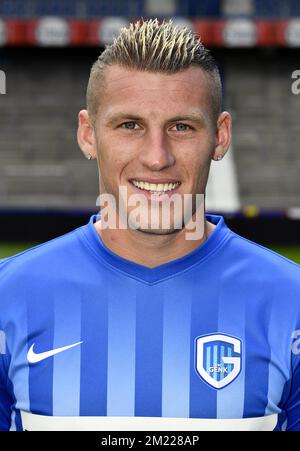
154 197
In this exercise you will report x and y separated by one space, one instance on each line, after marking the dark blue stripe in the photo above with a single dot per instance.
203 398
219 360
257 358
19 426
41 321
93 384
149 348
12 400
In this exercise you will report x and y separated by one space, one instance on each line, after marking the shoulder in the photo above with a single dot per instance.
35 269
34 257
265 265
269 283
251 258
263 254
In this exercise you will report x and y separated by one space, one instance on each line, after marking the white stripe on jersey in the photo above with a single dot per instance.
32 422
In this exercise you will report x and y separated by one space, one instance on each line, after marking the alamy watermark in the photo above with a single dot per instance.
155 212
2 342
2 82
296 343
295 88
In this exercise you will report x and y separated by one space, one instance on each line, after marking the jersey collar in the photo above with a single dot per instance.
151 275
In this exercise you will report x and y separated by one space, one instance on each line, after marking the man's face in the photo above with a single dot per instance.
154 128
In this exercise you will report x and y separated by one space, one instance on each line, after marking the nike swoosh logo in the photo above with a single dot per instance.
33 357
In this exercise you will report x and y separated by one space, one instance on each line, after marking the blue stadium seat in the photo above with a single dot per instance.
198 8
55 8
13 8
272 9
295 8
102 8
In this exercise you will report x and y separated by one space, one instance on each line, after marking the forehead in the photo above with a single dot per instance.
157 92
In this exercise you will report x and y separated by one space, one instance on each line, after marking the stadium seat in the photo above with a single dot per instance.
272 8
13 8
66 8
203 8
236 8
295 8
141 8
130 9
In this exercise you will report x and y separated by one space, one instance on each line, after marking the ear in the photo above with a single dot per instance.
86 135
223 136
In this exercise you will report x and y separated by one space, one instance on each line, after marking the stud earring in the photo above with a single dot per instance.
219 157
89 157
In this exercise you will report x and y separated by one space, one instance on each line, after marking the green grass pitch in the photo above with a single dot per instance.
8 249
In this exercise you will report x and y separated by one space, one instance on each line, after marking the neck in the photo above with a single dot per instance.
148 249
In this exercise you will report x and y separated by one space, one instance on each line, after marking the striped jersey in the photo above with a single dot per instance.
90 340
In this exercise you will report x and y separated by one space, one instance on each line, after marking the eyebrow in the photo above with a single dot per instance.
198 118
121 116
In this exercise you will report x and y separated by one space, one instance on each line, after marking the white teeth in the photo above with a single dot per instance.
156 187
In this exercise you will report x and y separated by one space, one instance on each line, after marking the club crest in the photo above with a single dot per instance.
218 359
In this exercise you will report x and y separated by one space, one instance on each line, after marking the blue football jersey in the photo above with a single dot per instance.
90 340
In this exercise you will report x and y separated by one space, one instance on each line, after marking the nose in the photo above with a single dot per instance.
156 153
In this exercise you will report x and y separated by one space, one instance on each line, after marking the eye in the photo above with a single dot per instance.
129 125
182 127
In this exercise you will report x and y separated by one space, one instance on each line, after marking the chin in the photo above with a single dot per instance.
150 231
158 232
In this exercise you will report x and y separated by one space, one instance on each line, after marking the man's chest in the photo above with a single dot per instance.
149 354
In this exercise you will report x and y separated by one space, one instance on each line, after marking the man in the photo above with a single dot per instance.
130 326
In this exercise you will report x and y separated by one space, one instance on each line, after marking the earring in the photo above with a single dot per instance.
219 157
89 157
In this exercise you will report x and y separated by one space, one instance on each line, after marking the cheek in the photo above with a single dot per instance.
113 159
196 156
195 161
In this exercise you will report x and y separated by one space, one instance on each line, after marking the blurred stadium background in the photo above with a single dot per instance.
46 49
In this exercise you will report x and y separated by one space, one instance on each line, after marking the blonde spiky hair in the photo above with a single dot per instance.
155 47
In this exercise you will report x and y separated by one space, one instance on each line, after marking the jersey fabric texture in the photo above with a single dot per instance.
211 335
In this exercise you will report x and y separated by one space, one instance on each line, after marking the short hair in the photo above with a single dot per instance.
155 47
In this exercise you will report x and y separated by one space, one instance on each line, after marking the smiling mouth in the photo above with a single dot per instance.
155 188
